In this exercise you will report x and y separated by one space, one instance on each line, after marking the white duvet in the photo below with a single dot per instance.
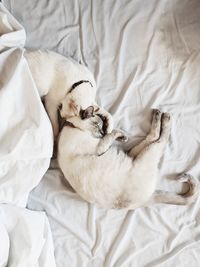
144 54
25 151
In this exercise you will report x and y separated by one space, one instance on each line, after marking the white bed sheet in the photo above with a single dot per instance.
26 143
26 239
144 54
26 138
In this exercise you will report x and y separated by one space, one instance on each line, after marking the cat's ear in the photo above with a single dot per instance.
87 113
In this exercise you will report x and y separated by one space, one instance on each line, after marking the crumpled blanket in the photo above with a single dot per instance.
26 143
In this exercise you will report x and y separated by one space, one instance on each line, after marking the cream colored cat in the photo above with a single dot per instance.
64 84
102 174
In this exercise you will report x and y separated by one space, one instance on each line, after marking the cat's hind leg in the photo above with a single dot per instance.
153 135
153 151
145 165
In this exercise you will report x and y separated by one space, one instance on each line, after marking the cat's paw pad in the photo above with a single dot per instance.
166 117
123 139
156 113
166 120
119 136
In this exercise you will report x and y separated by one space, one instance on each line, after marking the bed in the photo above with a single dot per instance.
144 55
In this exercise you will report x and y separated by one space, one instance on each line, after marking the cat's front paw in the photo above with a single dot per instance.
120 136
109 123
122 139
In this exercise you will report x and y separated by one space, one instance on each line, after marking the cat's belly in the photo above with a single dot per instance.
110 180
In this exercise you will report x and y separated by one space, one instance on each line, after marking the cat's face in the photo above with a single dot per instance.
80 98
90 122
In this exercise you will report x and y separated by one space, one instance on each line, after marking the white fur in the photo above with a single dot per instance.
101 174
54 76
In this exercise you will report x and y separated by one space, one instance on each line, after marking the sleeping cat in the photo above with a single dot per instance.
64 84
102 174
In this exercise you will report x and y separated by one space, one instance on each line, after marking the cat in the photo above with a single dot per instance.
64 84
102 174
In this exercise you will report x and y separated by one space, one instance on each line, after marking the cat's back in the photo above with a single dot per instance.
50 69
42 67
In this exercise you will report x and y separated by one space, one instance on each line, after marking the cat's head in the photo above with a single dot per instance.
89 122
76 100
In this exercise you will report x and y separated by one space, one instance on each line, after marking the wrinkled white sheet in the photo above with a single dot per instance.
26 239
144 54
25 150
25 131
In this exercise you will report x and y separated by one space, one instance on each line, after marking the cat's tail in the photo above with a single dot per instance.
178 199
